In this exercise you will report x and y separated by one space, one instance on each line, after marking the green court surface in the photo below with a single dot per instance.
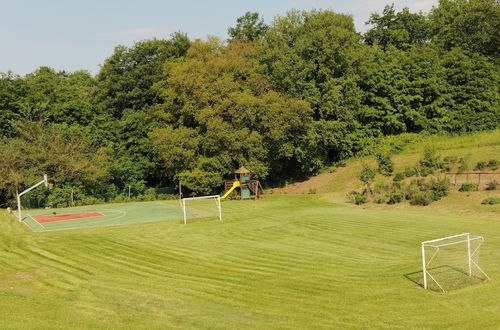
110 214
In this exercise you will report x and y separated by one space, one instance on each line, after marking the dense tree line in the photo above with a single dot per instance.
283 99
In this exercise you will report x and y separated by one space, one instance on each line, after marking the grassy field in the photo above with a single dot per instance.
283 262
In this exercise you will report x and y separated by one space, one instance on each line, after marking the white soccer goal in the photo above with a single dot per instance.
201 207
45 182
452 262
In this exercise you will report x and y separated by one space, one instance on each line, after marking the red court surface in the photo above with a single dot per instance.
61 217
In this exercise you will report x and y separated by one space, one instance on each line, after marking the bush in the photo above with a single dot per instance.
468 186
491 201
367 175
395 197
312 191
440 187
381 188
422 198
430 160
480 166
400 176
385 164
463 165
379 199
409 171
493 164
492 185
425 171
352 195
360 199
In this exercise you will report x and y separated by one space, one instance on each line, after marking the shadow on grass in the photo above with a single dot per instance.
451 278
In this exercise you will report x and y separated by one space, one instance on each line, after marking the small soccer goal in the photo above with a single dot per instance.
452 262
202 207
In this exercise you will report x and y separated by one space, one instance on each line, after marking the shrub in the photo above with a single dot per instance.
411 190
312 191
360 199
463 167
480 166
409 171
395 197
468 186
492 185
430 160
385 164
425 171
493 164
379 199
422 198
381 188
400 176
367 175
440 187
491 201
352 195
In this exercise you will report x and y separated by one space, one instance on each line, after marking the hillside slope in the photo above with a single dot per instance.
473 148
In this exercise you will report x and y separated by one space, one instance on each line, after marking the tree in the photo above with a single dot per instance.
219 113
12 92
472 25
316 56
66 153
400 30
126 77
367 175
249 26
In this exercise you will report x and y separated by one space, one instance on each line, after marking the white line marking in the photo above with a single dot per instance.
36 222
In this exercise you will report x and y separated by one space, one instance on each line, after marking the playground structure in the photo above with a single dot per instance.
248 188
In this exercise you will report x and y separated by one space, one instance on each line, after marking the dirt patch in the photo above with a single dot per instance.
318 184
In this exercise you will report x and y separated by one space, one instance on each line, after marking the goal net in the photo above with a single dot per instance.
452 262
201 208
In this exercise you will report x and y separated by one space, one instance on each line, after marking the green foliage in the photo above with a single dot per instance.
395 197
316 56
401 29
491 201
430 160
463 165
249 26
400 176
493 164
472 25
481 165
385 164
468 186
367 174
360 199
409 171
422 198
285 100
219 113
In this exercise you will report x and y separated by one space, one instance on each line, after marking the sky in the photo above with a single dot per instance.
79 35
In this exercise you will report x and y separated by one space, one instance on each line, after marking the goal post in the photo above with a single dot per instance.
45 182
202 206
451 262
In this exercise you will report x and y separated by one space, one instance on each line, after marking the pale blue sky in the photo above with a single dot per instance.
73 35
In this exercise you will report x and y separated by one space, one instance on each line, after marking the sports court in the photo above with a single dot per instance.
102 215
